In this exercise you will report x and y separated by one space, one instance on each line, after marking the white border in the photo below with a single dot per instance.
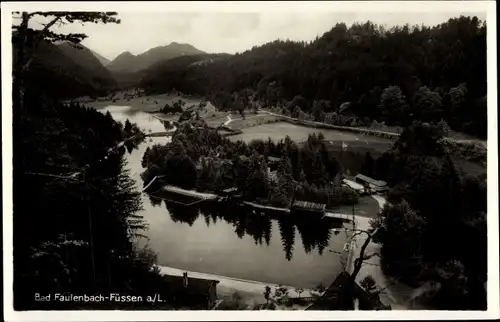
421 7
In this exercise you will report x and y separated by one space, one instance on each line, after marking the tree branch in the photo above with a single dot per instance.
358 262
39 38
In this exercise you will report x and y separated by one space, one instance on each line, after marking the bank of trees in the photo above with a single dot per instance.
394 75
434 225
201 158
75 213
57 62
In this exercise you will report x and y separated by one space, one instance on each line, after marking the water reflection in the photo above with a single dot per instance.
315 233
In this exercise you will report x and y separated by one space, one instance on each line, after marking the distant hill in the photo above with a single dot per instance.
103 60
122 63
168 74
128 63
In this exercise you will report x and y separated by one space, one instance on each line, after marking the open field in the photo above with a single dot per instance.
252 120
144 103
216 118
298 133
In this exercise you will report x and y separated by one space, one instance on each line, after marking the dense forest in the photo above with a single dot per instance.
434 226
75 234
394 75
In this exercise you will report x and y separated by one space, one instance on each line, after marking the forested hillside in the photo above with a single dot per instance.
64 71
394 75
74 204
433 231
88 60
126 62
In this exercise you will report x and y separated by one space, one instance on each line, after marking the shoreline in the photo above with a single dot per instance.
214 197
244 292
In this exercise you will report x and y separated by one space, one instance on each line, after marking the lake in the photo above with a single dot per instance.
230 240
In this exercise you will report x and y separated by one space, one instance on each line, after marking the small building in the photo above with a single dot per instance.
372 184
243 158
353 185
299 207
191 293
229 192
272 175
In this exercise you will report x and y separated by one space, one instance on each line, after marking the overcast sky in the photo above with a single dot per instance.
230 32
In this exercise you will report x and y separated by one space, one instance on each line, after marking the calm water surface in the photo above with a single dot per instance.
230 240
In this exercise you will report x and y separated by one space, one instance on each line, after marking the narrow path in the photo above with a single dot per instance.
380 200
151 182
230 119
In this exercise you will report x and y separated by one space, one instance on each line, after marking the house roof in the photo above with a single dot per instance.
312 206
332 298
371 180
195 286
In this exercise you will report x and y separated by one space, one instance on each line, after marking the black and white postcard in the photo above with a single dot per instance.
278 160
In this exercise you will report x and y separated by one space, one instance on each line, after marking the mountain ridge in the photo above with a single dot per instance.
127 62
103 60
87 59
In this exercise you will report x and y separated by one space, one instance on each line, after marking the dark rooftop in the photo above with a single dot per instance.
371 180
311 206
333 298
